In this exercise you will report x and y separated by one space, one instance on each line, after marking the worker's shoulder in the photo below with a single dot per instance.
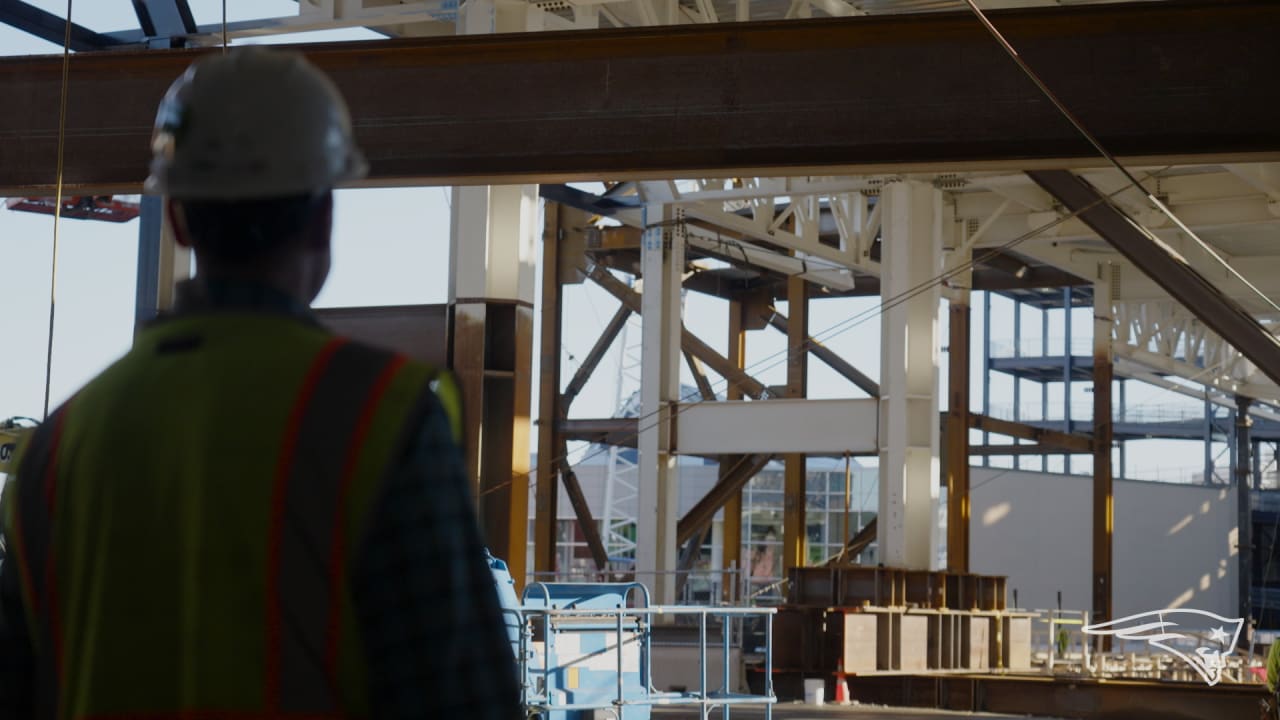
380 355
406 374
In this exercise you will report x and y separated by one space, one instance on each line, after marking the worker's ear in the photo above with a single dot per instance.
177 220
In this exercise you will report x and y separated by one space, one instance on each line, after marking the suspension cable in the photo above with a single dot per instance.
57 207
1113 160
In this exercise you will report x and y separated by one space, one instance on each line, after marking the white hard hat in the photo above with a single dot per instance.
253 123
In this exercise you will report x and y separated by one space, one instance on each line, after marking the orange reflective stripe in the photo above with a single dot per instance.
330 421
33 552
337 555
284 473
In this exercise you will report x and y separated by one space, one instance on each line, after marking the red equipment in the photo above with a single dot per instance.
80 207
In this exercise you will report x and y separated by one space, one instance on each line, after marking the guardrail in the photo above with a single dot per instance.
628 623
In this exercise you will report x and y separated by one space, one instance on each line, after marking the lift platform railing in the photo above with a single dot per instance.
629 622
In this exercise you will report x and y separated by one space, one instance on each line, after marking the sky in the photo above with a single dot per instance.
390 248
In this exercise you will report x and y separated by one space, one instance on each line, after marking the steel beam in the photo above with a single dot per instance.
605 431
1244 518
597 353
52 28
787 426
1071 442
147 284
957 437
1221 314
688 341
909 429
729 484
705 390
493 233
856 544
1104 514
162 263
546 493
731 527
1145 77
582 510
658 474
828 356
794 498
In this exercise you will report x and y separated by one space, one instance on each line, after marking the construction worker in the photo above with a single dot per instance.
247 517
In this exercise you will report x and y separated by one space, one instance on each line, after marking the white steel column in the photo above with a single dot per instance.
492 237
911 258
662 263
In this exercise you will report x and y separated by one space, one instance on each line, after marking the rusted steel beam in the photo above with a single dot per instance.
1244 517
1050 438
1103 491
857 543
731 528
688 341
582 511
957 438
605 431
1145 77
707 392
729 484
828 356
546 493
1217 311
794 497
598 350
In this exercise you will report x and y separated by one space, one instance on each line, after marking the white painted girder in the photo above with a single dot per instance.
662 258
779 426
909 430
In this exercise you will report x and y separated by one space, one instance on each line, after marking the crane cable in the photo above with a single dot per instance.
1161 206
1115 162
57 206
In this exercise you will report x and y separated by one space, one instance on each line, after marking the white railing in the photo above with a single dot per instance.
694 587
1034 411
629 622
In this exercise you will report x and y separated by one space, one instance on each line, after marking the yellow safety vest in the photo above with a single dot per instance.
185 525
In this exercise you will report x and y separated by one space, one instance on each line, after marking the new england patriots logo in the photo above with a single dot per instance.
1201 638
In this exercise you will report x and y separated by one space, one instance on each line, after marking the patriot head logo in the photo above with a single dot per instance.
1201 638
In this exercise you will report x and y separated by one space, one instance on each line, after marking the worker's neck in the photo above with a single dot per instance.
300 279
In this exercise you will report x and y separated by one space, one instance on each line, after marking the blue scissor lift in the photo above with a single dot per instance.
583 651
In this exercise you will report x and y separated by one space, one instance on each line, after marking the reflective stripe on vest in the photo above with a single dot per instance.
32 551
335 406
340 431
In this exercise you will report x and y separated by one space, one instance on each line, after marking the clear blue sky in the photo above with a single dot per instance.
391 247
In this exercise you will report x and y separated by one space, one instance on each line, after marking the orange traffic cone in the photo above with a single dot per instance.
842 691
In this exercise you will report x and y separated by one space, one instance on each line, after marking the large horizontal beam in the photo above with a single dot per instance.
910 91
731 427
781 426
1217 311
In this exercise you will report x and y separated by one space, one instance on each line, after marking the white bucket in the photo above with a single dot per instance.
813 691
